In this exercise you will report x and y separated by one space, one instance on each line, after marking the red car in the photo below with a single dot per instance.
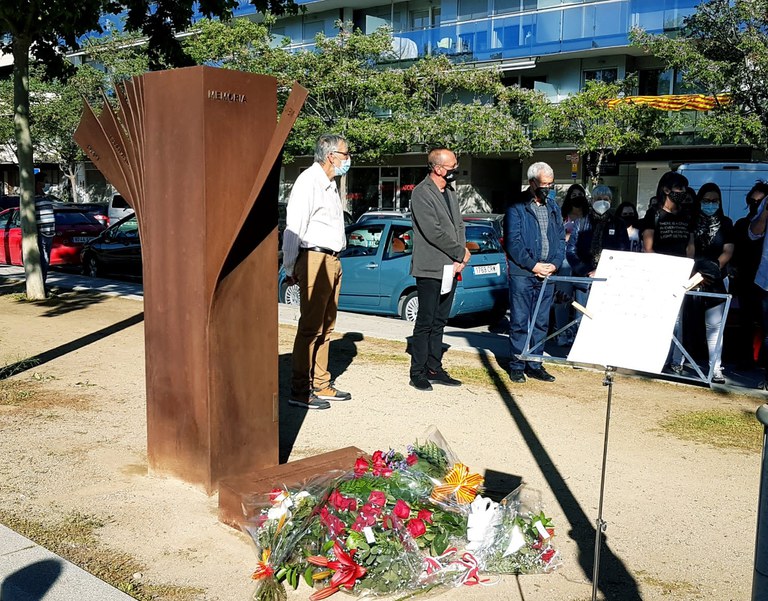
73 229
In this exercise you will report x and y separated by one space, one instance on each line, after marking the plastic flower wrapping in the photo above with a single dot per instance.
395 523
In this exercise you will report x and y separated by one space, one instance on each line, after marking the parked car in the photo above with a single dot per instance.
117 250
73 229
118 208
383 214
494 219
377 261
98 210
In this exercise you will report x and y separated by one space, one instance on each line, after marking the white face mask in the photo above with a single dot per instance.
601 206
343 168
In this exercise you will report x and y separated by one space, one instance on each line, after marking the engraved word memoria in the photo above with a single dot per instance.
227 96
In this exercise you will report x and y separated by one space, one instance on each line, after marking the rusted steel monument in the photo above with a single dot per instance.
197 153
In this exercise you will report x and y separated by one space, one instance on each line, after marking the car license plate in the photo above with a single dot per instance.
486 269
82 238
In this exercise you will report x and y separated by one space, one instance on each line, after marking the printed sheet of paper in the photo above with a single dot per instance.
633 311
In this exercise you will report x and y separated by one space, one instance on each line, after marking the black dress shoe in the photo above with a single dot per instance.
441 377
517 376
420 383
540 373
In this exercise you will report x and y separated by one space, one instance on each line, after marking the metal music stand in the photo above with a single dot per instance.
531 354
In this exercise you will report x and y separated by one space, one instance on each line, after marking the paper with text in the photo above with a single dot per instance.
633 311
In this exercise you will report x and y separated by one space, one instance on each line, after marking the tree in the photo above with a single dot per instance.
44 30
357 89
594 125
723 49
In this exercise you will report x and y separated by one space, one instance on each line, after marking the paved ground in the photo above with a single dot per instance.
27 571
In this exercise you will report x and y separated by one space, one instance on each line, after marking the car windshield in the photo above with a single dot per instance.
74 218
484 237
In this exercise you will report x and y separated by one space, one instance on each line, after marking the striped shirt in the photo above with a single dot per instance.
46 221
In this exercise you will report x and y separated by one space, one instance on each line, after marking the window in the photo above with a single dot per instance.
400 242
73 218
363 241
311 29
128 228
607 75
473 9
654 82
482 240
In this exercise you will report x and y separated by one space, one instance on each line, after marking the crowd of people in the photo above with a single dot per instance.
541 239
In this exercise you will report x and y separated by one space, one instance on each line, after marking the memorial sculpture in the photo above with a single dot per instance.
197 153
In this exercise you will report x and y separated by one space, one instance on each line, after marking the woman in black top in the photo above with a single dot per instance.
713 241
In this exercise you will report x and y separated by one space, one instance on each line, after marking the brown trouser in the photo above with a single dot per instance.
319 278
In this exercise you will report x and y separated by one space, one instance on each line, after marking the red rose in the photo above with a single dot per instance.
411 459
426 515
361 466
416 528
548 555
401 509
274 493
378 457
377 498
387 522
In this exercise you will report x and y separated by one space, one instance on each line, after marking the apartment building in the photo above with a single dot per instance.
553 46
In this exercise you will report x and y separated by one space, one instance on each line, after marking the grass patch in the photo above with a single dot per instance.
718 427
16 393
670 587
73 537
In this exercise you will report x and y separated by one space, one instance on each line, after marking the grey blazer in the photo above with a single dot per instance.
438 234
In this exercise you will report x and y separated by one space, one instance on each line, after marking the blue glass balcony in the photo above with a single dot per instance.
544 32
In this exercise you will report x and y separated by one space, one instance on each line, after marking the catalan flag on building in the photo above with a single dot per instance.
676 102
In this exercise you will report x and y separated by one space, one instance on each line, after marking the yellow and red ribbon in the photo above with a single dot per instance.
459 482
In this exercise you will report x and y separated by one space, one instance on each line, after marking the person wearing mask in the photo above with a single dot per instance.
534 239
46 224
756 231
599 230
438 242
574 207
668 231
743 268
713 242
627 212
658 199
313 238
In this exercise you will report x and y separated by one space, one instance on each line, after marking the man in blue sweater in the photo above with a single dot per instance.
534 238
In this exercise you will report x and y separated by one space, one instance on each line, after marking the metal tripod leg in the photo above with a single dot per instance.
601 525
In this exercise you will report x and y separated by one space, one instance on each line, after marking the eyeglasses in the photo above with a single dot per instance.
449 167
755 200
346 154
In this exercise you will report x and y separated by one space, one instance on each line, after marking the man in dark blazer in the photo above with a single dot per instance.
534 238
438 241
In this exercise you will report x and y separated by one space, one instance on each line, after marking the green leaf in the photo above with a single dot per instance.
308 576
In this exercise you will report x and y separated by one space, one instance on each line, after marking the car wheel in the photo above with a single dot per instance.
291 294
409 307
91 267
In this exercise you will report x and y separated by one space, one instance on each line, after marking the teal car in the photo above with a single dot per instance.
376 265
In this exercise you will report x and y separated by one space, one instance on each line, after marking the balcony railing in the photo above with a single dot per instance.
542 32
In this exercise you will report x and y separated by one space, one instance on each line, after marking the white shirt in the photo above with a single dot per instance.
314 216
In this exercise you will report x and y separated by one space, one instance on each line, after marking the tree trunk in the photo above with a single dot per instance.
29 249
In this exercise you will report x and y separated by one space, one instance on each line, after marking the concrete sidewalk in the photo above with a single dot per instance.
28 572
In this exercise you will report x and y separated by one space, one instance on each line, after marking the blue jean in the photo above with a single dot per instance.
523 294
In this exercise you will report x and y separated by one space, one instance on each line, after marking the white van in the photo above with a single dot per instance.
734 179
118 208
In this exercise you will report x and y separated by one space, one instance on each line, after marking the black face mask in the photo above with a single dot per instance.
542 192
450 175
678 197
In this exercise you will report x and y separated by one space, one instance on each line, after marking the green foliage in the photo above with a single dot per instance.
589 123
723 48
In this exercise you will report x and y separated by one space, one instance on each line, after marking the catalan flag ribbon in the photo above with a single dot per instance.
675 102
459 482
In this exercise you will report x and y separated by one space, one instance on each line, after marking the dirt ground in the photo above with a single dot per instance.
681 515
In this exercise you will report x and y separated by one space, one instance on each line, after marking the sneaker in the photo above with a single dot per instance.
442 377
310 403
420 383
718 377
517 376
677 369
332 394
539 373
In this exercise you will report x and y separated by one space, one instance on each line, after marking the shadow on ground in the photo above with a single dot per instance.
59 301
68 347
342 352
614 579
32 582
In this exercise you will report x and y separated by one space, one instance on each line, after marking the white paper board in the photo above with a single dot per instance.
633 311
